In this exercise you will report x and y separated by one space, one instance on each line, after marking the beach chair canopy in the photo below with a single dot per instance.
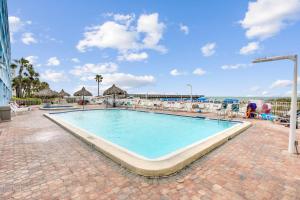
202 99
231 101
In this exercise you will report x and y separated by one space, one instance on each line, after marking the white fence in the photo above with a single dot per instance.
282 108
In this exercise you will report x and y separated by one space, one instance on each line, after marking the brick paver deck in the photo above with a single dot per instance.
40 160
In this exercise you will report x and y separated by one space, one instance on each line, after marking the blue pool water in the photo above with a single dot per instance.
147 134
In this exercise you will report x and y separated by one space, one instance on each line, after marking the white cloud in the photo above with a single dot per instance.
250 48
28 38
53 61
16 25
235 66
266 18
184 29
281 84
54 76
133 56
108 35
32 59
128 81
175 72
208 49
123 80
199 72
75 60
153 29
121 35
92 69
125 19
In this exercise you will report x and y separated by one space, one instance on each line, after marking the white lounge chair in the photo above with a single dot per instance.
15 108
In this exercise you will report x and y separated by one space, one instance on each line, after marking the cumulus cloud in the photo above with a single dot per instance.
176 72
199 72
32 59
250 48
133 56
122 35
28 38
53 61
110 74
184 29
128 81
235 66
153 29
75 60
125 19
266 18
108 35
281 84
93 69
54 76
208 49
16 25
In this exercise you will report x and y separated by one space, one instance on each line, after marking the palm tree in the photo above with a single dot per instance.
22 65
98 79
27 81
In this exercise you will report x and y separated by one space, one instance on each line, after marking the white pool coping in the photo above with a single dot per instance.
161 166
59 108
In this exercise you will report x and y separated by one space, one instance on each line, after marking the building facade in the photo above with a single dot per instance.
5 56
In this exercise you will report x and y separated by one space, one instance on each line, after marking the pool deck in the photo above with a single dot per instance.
40 160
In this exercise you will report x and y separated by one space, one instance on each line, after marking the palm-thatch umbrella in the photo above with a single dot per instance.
83 92
114 91
46 94
63 94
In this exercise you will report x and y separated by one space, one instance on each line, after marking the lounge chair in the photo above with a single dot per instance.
15 108
285 120
222 110
234 110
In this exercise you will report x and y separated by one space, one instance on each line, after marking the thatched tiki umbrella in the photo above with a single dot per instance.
46 93
63 94
83 92
114 91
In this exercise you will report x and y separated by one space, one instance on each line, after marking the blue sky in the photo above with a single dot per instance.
159 46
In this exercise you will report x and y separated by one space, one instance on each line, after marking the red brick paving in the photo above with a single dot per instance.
40 160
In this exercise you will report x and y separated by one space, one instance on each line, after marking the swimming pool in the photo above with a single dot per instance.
145 136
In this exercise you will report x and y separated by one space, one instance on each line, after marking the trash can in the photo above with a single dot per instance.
5 114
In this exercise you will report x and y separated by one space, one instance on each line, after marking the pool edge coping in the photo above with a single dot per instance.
152 167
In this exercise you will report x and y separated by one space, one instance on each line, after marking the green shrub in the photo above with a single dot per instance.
27 101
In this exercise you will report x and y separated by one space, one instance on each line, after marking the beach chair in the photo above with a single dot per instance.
285 120
234 110
16 109
222 110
